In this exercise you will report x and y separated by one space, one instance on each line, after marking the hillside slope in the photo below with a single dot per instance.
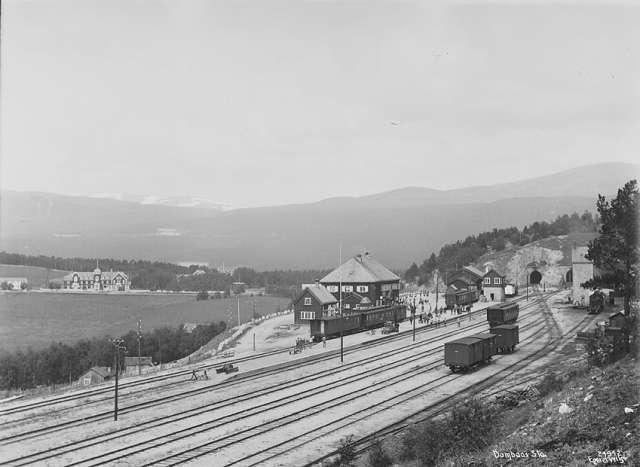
396 226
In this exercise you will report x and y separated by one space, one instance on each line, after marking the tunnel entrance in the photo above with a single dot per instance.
569 276
535 278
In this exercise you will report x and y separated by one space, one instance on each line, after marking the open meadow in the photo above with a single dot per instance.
37 318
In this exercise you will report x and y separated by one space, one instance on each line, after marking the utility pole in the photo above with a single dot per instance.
413 318
340 303
238 297
139 339
254 341
341 348
118 345
436 290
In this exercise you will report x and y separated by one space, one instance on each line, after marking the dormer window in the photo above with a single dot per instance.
307 301
487 280
496 280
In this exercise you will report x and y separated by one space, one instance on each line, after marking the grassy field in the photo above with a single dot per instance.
35 318
36 276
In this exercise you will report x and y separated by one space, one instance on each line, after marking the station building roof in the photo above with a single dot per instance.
321 293
361 269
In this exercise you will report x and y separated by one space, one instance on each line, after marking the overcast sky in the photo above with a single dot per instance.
256 103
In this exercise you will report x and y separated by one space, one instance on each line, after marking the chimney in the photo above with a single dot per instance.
359 257
486 268
366 254
317 282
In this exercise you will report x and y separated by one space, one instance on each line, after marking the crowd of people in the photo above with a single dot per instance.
420 307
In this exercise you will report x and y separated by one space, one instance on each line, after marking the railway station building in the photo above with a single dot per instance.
467 278
364 281
312 302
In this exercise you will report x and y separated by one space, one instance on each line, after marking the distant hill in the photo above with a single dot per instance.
36 276
397 226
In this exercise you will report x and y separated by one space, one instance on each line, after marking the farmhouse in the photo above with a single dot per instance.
108 281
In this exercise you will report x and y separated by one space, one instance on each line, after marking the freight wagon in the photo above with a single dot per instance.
468 352
503 313
507 336
460 298
356 320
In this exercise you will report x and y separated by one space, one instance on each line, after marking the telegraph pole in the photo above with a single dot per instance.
413 316
238 297
118 345
340 300
139 338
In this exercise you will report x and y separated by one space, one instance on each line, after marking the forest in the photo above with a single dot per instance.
63 363
453 256
155 275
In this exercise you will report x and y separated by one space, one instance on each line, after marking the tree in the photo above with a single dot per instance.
615 250
412 273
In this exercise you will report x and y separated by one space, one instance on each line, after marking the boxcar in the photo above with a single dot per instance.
467 352
460 297
504 313
507 336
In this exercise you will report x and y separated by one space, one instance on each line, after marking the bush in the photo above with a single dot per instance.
346 453
600 350
550 383
377 455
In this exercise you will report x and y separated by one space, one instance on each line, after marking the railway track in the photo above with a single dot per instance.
170 419
91 441
76 396
229 440
364 443
250 375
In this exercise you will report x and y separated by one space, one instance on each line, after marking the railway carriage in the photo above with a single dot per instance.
356 320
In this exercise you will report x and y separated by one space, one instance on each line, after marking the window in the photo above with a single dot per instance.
395 286
496 280
347 306
362 288
386 287
487 280
307 315
307 301
347 288
332 288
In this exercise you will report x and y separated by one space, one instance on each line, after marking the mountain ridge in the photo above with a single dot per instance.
397 228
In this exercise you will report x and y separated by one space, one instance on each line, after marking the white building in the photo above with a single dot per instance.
108 281
582 270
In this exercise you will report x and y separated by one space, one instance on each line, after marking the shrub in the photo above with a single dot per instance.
346 452
550 383
377 455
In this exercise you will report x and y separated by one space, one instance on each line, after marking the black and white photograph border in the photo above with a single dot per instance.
310 232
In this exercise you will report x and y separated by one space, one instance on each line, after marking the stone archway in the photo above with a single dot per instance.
535 278
569 276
